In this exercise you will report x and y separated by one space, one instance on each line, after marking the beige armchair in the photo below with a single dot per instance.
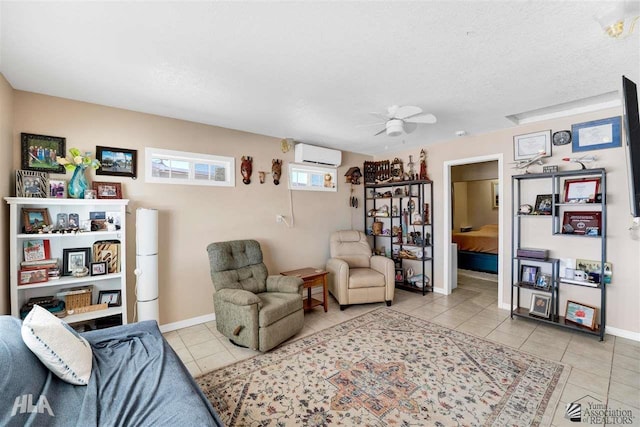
356 277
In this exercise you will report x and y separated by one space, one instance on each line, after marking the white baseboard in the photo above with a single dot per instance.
622 333
168 327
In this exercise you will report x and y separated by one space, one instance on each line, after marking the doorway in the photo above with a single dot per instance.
448 219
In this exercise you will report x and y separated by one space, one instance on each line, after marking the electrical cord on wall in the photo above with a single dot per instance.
290 210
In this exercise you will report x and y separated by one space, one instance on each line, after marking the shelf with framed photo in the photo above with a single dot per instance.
398 220
577 207
44 263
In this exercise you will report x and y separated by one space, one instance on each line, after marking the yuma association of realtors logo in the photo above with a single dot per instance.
591 412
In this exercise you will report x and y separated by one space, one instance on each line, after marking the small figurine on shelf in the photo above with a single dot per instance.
412 170
396 170
423 165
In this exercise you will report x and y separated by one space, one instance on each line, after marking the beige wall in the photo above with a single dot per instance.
623 294
475 171
191 217
459 207
6 185
480 210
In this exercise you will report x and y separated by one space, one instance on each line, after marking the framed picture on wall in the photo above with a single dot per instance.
39 152
117 161
532 144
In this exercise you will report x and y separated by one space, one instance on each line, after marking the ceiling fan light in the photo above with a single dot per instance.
394 127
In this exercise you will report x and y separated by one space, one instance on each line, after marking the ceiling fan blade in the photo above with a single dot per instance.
382 131
370 124
409 127
421 118
380 115
407 111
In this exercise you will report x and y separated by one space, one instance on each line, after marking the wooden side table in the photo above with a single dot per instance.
312 277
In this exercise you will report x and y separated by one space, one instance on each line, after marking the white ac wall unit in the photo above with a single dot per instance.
305 153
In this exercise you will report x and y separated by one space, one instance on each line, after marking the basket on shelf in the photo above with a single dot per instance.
75 298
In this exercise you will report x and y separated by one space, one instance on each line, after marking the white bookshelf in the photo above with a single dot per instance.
58 242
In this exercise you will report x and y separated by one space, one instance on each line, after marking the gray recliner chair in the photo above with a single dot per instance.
253 309
355 276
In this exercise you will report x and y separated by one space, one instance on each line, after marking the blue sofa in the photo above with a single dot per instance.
136 379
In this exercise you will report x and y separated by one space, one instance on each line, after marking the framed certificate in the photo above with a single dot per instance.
596 135
581 190
531 145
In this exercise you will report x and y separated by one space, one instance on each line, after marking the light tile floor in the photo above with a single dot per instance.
608 371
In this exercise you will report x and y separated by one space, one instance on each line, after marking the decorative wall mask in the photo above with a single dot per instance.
246 168
262 176
276 170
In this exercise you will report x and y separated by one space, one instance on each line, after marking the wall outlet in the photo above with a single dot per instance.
279 219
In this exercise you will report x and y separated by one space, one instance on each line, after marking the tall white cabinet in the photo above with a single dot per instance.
58 242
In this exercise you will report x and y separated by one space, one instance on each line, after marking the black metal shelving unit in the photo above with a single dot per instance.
403 195
557 210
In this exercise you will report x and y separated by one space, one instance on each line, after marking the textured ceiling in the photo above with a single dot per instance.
313 71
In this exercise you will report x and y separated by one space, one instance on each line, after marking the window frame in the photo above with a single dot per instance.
192 158
313 169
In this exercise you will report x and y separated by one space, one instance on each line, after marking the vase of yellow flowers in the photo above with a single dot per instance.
78 164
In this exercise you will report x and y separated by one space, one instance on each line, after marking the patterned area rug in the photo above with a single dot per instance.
387 368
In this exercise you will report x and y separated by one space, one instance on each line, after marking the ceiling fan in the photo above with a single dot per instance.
403 119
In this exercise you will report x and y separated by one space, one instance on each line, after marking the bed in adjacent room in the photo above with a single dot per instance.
478 249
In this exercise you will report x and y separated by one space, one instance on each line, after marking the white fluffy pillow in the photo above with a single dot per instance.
58 346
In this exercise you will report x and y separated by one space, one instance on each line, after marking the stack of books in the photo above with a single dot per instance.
37 256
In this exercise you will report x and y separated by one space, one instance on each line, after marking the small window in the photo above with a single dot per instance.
179 167
312 178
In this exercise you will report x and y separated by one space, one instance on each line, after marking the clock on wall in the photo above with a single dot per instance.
562 137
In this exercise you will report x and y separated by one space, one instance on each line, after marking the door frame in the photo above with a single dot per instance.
447 219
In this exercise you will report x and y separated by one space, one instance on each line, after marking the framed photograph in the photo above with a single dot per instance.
33 219
27 277
495 194
528 274
596 135
98 268
75 259
107 190
582 222
531 145
543 204
39 152
58 188
112 298
540 305
74 220
543 281
581 314
32 184
399 275
62 221
581 190
116 161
